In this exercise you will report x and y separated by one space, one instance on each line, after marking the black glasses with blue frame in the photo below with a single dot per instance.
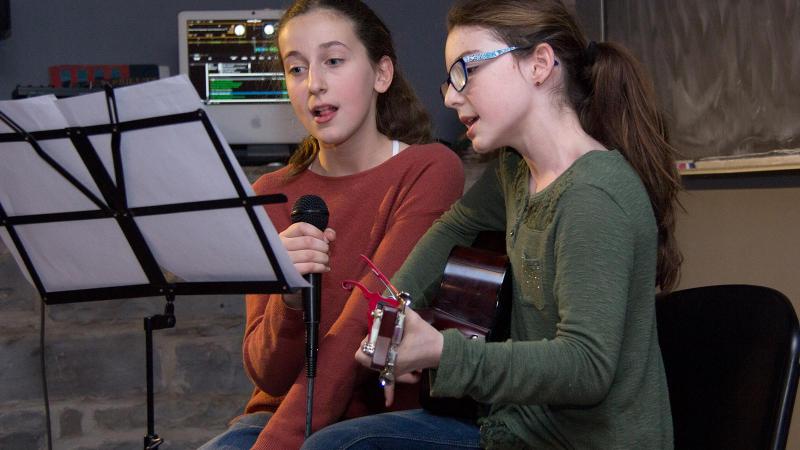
458 74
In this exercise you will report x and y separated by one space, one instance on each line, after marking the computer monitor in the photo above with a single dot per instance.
231 57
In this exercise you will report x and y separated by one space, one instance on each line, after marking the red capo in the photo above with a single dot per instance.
373 298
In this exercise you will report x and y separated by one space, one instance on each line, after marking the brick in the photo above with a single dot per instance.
16 293
107 366
174 419
123 418
211 366
211 412
16 420
174 413
22 440
20 369
70 422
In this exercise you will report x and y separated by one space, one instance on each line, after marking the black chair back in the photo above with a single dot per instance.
731 358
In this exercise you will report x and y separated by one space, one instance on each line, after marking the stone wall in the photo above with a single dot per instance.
95 359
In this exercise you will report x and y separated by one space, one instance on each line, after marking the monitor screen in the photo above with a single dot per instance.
231 58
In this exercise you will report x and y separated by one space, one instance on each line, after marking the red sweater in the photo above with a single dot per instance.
380 212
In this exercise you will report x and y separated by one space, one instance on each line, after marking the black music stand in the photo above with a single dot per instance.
98 207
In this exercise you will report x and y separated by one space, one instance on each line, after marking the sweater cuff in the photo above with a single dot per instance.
291 313
288 320
295 315
444 379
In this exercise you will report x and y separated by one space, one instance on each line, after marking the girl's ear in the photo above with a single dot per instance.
384 73
541 63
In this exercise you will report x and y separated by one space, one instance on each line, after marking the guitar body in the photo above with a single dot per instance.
474 298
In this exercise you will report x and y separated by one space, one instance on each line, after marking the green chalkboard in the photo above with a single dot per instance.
727 72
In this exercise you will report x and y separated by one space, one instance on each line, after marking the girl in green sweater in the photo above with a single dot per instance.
584 190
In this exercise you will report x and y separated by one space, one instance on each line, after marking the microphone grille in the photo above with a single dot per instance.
310 209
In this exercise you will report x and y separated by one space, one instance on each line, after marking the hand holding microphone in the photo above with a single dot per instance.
305 243
307 247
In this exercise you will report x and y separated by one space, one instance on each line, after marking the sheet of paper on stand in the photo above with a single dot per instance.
163 165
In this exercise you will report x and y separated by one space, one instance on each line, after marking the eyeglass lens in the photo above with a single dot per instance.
458 75
458 78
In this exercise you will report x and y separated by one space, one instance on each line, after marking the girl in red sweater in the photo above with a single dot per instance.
370 158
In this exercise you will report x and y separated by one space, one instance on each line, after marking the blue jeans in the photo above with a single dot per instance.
241 435
417 429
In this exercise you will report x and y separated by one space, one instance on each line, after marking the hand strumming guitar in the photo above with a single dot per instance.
420 349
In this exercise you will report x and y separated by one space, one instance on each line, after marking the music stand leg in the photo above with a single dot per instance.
157 322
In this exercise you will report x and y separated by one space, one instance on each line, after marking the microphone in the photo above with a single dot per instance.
313 210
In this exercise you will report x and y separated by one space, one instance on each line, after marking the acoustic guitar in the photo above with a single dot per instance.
475 298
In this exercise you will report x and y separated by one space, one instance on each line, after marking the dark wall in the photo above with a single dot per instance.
50 32
5 19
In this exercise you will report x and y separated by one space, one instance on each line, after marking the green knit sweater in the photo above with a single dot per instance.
583 368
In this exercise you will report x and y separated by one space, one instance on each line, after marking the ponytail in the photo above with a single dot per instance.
620 112
401 115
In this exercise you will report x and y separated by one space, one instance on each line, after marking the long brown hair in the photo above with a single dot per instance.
612 95
400 114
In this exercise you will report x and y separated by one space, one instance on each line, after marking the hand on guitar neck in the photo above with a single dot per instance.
420 349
